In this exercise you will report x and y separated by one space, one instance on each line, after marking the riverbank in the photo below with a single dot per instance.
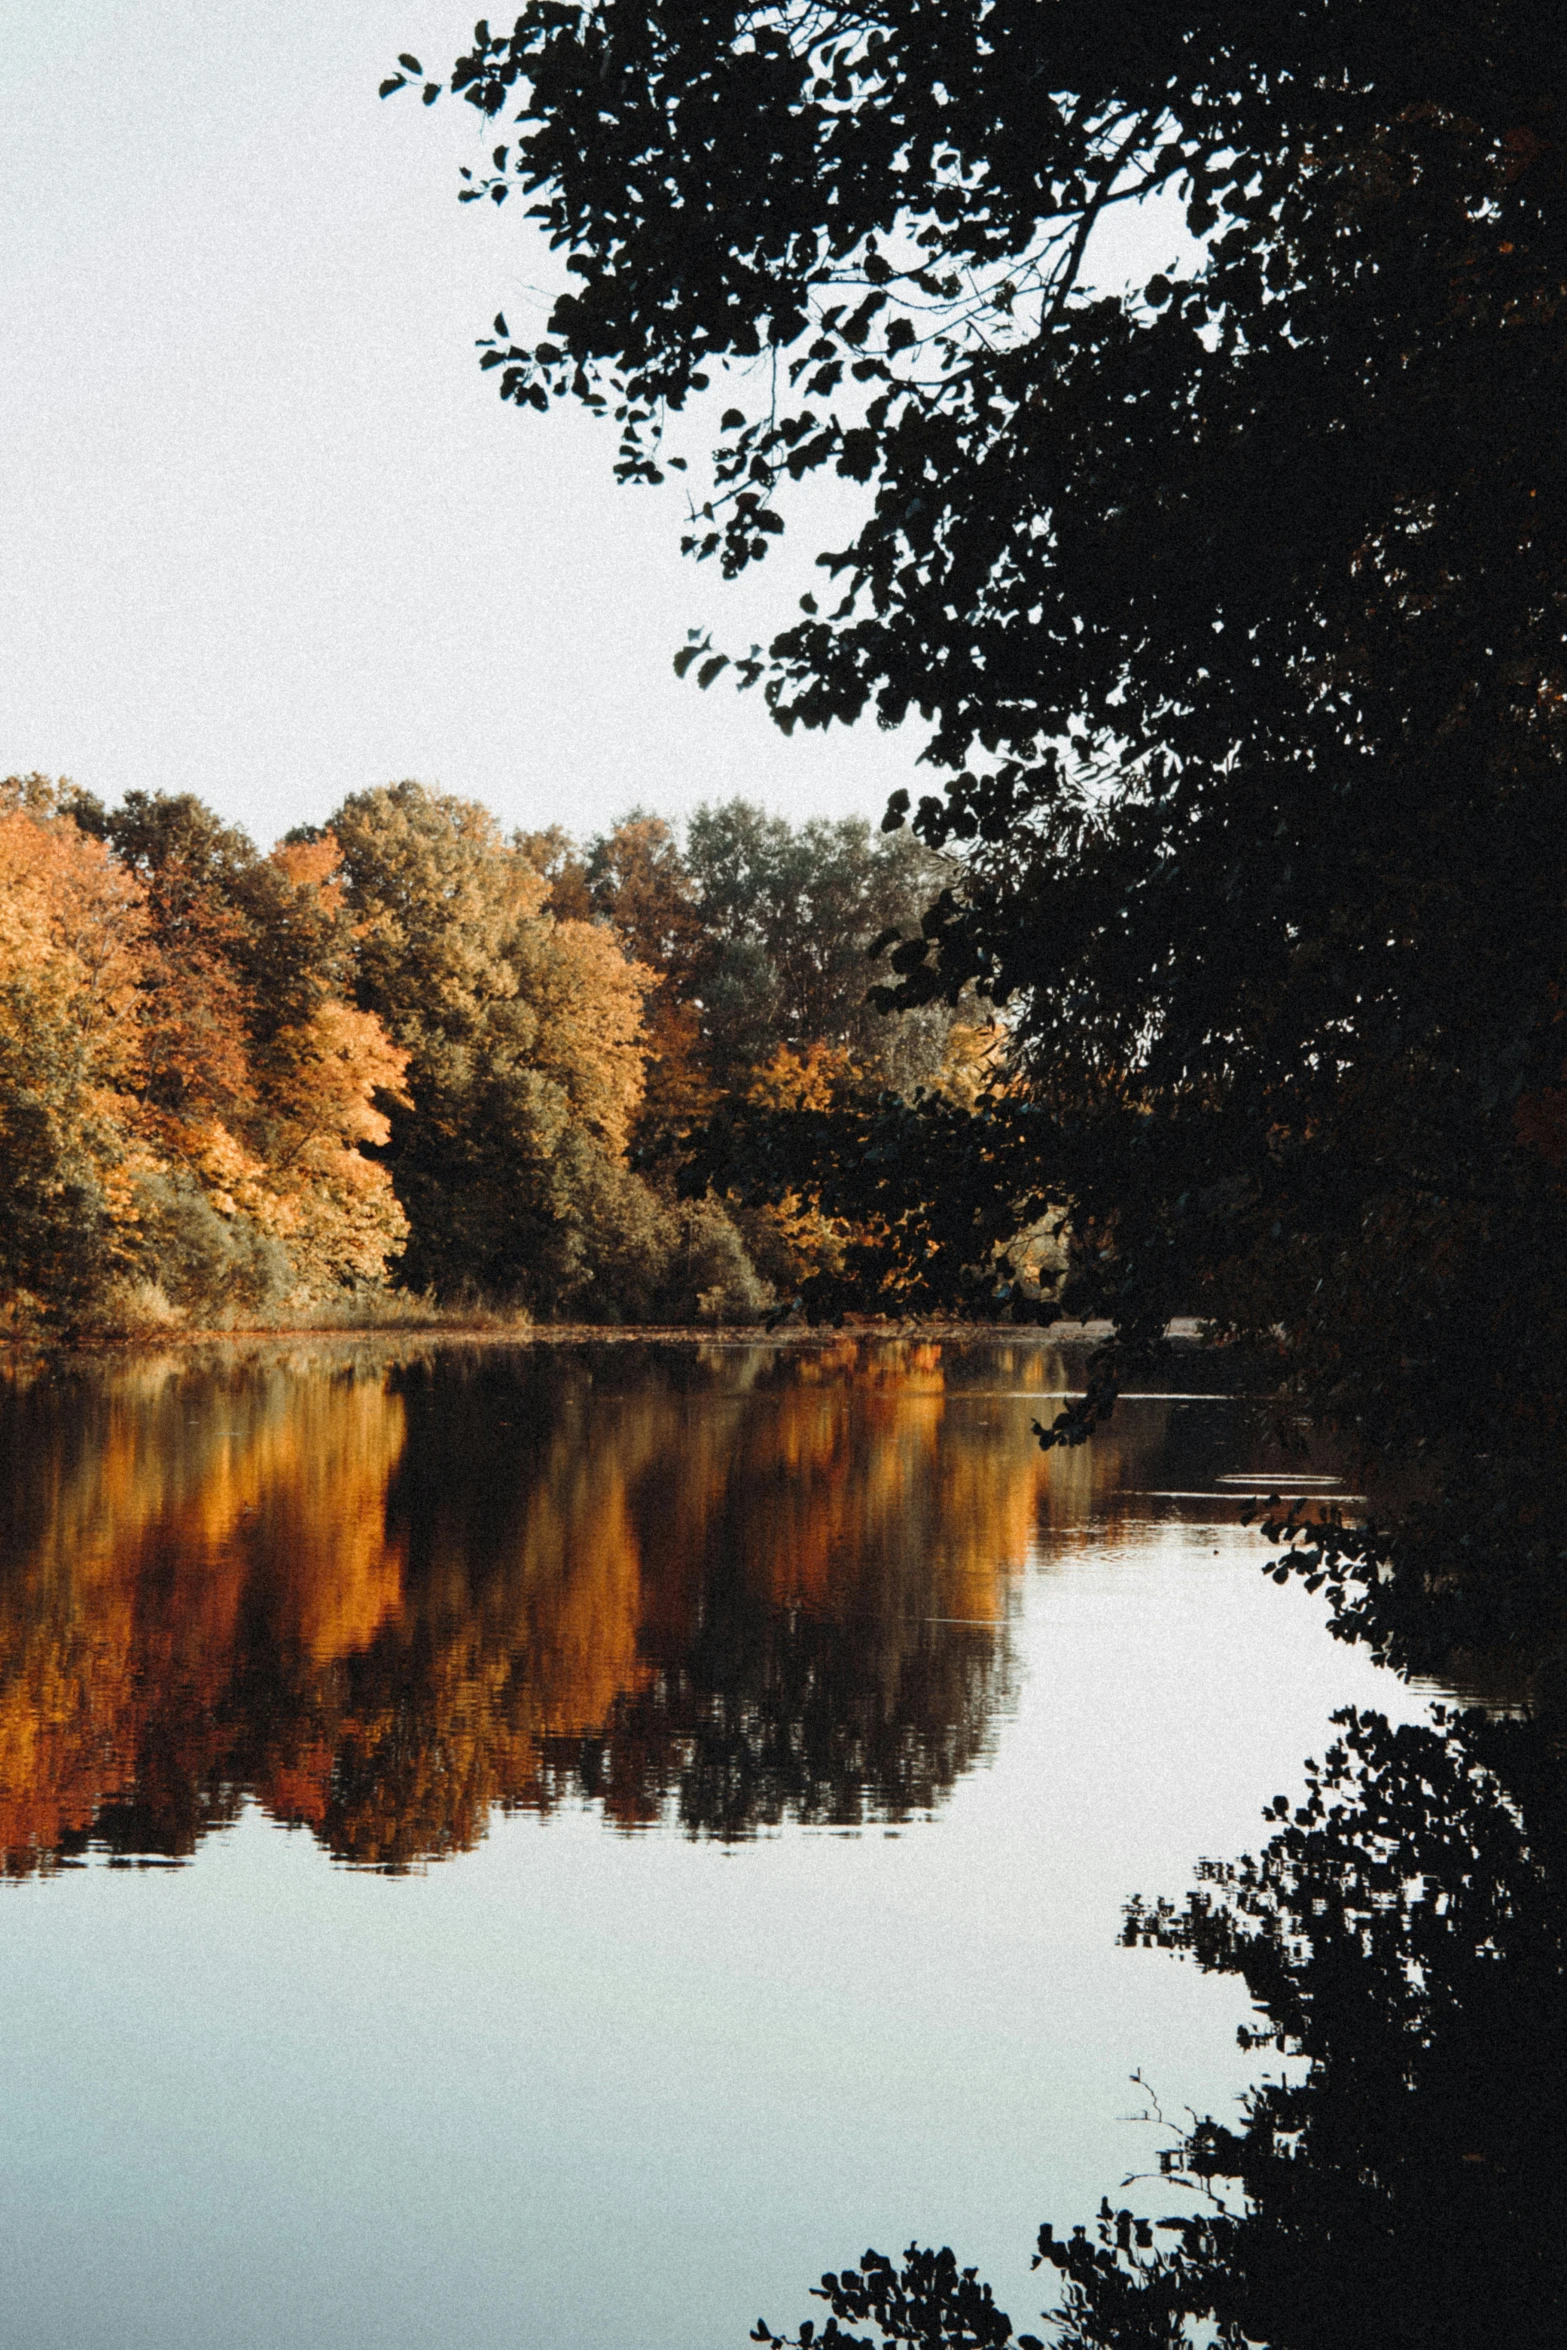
495 1331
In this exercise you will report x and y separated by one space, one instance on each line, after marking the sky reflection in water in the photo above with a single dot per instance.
885 1713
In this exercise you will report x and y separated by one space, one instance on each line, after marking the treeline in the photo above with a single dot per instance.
405 1051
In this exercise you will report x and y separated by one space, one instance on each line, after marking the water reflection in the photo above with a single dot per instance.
1399 2181
1404 1937
386 1594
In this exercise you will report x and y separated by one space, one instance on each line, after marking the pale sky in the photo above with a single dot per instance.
269 535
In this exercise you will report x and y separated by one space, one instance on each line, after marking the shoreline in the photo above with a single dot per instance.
1184 1331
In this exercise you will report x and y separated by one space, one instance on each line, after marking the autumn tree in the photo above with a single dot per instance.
1231 601
219 1088
72 938
325 1069
638 881
555 854
453 943
198 1003
525 1071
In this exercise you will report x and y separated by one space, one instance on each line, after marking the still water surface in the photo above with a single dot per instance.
556 1846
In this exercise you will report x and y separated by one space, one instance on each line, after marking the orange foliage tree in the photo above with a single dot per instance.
186 1099
72 942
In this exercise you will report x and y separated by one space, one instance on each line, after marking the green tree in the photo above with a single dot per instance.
787 914
757 932
1233 603
525 1049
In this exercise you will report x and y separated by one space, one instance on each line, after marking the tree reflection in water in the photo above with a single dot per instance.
385 1595
1401 2180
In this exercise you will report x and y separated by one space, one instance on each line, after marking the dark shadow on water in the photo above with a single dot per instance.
1397 2179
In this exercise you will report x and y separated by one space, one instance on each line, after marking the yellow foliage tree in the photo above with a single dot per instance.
588 999
523 1036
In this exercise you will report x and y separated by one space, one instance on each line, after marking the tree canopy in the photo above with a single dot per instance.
521 1034
189 1103
1232 601
403 1047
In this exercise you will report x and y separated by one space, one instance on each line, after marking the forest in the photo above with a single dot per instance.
403 1059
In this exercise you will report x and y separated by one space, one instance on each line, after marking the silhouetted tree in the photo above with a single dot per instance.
1232 602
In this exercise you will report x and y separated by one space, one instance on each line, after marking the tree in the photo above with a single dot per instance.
448 916
197 1000
323 1194
554 854
524 1042
634 881
787 916
637 880
187 1094
72 937
757 932
1234 607
261 1079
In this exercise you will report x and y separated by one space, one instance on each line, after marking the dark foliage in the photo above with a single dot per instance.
1234 605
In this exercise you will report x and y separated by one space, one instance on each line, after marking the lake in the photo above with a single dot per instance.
559 1844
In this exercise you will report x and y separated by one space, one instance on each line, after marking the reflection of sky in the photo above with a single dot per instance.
576 2088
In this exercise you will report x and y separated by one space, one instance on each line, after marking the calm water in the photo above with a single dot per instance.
557 1846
